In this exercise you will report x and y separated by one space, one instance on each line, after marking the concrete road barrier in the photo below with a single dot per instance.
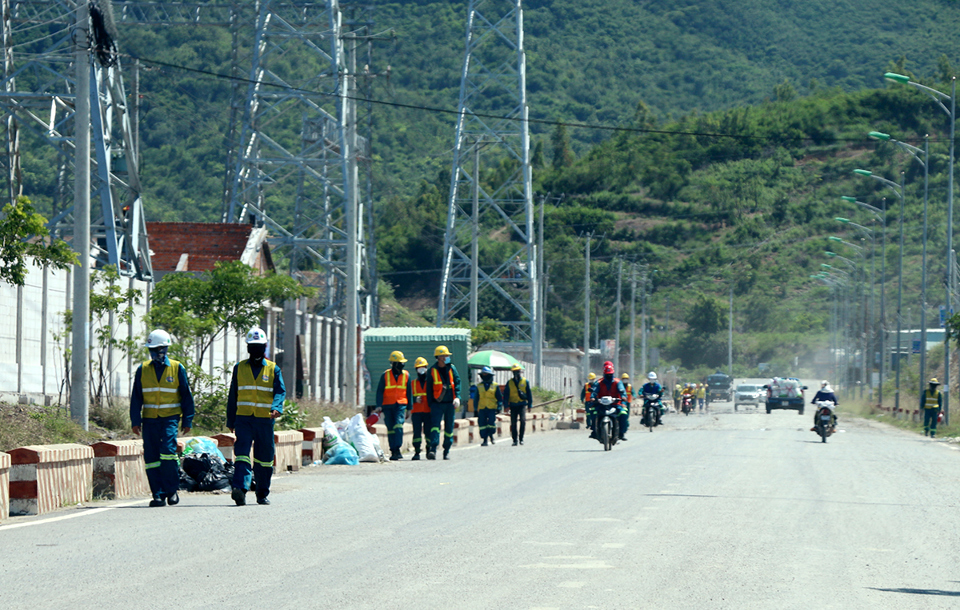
503 426
45 477
461 432
312 449
225 443
118 470
4 485
289 450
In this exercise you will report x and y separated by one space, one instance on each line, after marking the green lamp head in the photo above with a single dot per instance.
849 199
896 78
835 238
841 219
863 172
830 254
877 135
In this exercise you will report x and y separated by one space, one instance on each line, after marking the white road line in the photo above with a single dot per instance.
79 513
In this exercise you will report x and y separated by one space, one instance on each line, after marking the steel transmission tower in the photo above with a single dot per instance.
38 102
492 125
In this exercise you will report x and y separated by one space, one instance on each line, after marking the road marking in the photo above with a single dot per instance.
572 584
79 513
548 543
592 565
603 519
591 557
613 545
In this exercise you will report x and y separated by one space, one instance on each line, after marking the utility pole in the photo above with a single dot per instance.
586 311
475 229
643 321
616 322
352 262
633 318
730 335
541 297
80 359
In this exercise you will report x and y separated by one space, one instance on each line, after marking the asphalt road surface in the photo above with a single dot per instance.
719 510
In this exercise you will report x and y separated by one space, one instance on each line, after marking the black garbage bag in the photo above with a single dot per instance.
187 483
207 471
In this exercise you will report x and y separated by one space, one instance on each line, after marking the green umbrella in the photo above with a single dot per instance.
498 361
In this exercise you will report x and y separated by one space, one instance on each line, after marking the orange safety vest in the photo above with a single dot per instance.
586 397
438 384
420 397
395 390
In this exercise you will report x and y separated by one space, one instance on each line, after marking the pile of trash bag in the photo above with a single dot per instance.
203 467
348 442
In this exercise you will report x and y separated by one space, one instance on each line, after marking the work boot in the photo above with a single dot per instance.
623 437
239 496
395 455
416 456
514 443
492 442
431 455
521 441
174 499
484 443
264 501
157 502
446 454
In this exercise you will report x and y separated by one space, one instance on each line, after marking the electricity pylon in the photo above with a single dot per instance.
492 124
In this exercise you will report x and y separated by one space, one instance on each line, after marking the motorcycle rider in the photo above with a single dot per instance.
609 385
653 387
825 393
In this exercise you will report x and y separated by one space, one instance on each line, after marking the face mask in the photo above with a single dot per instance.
157 354
256 350
422 370
486 378
441 360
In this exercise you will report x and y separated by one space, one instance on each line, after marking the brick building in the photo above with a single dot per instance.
198 246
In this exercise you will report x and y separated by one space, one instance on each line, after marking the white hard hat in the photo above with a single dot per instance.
652 376
158 338
256 335
823 383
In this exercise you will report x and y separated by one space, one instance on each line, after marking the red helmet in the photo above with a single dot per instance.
608 368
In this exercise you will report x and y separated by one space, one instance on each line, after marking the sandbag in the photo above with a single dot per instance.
341 453
358 436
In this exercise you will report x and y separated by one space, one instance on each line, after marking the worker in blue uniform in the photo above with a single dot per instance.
160 399
487 402
443 398
255 400
393 396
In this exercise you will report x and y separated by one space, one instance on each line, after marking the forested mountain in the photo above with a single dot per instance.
791 85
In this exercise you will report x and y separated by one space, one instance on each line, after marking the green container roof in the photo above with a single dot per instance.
406 333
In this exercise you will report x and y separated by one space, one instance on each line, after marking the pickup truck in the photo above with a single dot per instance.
785 393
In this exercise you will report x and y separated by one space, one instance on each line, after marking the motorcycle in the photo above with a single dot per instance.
651 407
686 404
607 424
824 423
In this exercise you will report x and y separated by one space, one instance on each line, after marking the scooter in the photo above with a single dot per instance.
651 407
686 404
824 425
607 425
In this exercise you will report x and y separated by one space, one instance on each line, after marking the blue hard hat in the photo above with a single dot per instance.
486 371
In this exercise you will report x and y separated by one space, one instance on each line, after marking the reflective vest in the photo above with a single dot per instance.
629 389
931 401
395 390
439 391
588 387
486 398
604 389
160 398
255 396
419 392
515 393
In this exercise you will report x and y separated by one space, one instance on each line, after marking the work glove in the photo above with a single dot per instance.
456 403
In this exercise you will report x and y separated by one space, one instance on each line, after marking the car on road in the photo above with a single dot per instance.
785 393
748 394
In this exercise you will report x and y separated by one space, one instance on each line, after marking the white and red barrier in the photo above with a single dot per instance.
44 478
118 470
312 449
4 485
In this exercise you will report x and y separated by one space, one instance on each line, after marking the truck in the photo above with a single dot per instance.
719 387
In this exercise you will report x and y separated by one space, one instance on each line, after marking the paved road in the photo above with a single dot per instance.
722 510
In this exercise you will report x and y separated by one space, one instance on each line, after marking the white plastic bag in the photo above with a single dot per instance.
377 447
358 436
330 434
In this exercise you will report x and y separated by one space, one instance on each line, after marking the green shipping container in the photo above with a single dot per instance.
413 342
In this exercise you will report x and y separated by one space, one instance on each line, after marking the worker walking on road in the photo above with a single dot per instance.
443 397
255 400
160 399
677 396
931 401
586 396
701 395
393 396
625 380
487 401
518 399
420 412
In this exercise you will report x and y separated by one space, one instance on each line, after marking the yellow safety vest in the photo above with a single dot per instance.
486 399
255 396
931 401
160 398
514 391
629 389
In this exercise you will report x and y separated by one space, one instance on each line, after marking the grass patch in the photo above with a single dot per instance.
22 425
862 408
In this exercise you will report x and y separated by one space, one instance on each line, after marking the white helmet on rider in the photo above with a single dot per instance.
158 338
652 376
824 383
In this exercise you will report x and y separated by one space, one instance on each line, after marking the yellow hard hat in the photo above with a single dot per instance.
592 376
516 367
421 361
441 351
397 357
624 376
934 381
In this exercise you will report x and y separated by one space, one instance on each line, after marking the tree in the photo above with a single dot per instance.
23 233
196 308
486 331
562 155
708 316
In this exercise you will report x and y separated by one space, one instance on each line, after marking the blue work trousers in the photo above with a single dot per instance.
445 412
624 422
421 426
256 431
487 421
930 420
160 455
591 415
518 413
393 416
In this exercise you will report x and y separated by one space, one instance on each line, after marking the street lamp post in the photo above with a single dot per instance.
873 282
863 271
939 97
844 322
914 152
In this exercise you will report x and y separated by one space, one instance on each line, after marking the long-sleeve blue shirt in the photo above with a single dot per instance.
279 390
186 397
396 377
455 390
